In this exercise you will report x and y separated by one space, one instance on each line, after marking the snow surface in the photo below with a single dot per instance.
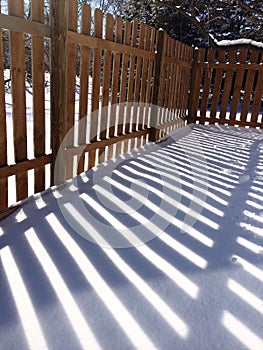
197 283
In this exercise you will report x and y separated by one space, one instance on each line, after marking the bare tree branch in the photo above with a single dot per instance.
249 8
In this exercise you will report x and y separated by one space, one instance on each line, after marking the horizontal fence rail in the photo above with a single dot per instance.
227 87
57 68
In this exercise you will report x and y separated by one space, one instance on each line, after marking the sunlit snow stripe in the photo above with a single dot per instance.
180 248
75 317
182 281
249 245
255 195
131 328
175 188
184 193
164 310
253 270
241 332
253 216
170 219
39 202
20 216
184 251
255 205
245 295
28 317
254 229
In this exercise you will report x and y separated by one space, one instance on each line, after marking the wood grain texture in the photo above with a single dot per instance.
21 25
17 52
247 98
71 71
96 77
59 20
84 84
161 42
217 86
228 81
238 84
3 136
37 13
258 94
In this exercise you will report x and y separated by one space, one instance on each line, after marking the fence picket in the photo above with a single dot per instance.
176 96
96 76
163 82
17 51
150 74
227 85
71 81
206 85
248 88
138 79
184 83
255 117
124 87
168 81
145 67
157 86
217 86
130 98
124 76
3 136
172 91
106 85
189 56
195 85
37 11
84 84
238 85
115 86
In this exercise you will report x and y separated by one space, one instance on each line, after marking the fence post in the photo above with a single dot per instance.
192 96
161 44
59 23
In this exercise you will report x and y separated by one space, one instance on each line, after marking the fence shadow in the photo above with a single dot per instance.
194 283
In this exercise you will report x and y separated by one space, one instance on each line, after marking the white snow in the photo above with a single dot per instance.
238 42
196 200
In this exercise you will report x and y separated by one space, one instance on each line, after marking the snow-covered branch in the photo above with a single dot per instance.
239 42
189 11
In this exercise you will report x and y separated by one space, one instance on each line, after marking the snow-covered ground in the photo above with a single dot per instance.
189 212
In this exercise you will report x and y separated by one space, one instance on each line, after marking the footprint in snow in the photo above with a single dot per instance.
234 260
226 171
244 178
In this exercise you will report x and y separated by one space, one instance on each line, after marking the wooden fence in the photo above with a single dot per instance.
119 65
140 84
227 87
